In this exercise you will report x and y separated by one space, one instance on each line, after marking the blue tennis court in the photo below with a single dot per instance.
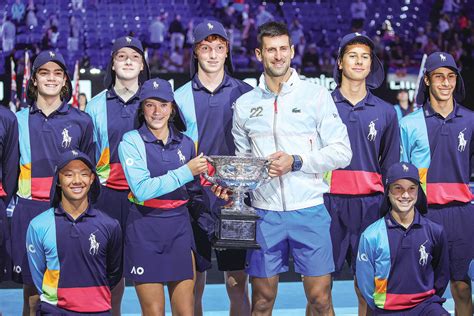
290 301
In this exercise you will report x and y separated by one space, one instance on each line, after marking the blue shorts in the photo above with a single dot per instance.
303 233
457 222
350 216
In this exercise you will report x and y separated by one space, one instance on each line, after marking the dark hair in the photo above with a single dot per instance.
32 91
272 29
141 116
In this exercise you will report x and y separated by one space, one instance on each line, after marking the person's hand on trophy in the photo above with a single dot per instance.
281 163
198 165
222 193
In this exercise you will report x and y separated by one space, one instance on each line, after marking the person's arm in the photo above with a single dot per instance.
390 143
114 256
365 271
144 187
440 264
336 149
36 257
11 161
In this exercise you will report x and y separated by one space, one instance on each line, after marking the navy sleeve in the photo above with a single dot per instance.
114 256
10 160
440 264
390 143
87 144
198 204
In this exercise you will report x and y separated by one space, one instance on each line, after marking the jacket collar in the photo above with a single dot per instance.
287 86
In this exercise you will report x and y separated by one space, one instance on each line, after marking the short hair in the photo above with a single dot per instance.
272 29
357 42
32 90
211 38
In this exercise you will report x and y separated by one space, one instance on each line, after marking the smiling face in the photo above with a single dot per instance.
403 195
75 180
355 62
275 54
127 64
49 79
157 113
211 54
441 83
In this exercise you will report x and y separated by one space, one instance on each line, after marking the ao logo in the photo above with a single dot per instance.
31 248
17 269
137 270
362 256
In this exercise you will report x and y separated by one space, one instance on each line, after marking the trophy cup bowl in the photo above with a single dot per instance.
236 226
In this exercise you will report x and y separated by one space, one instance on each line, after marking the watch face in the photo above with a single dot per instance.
297 163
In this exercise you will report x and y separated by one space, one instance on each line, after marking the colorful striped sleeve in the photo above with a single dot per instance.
132 154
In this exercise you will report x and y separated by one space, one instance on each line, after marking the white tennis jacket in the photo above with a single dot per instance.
301 120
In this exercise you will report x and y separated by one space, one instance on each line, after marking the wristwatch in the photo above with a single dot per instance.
297 163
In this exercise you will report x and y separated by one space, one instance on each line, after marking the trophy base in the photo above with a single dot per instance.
236 231
235 244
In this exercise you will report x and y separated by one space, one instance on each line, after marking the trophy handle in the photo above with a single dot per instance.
267 166
206 176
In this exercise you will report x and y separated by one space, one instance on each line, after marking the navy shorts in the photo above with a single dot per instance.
351 215
228 259
114 203
45 309
158 245
457 221
24 212
430 307
302 233
5 245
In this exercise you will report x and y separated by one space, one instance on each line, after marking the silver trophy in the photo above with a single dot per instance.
236 226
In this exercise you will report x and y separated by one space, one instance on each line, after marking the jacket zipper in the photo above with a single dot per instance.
275 112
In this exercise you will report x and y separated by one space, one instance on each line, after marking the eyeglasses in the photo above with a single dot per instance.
206 49
440 78
398 190
123 57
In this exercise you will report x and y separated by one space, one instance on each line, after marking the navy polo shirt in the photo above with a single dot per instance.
443 151
373 131
9 154
75 262
419 257
42 139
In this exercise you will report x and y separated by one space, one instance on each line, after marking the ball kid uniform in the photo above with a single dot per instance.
443 150
403 271
159 239
356 191
9 156
208 117
74 262
112 118
41 141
